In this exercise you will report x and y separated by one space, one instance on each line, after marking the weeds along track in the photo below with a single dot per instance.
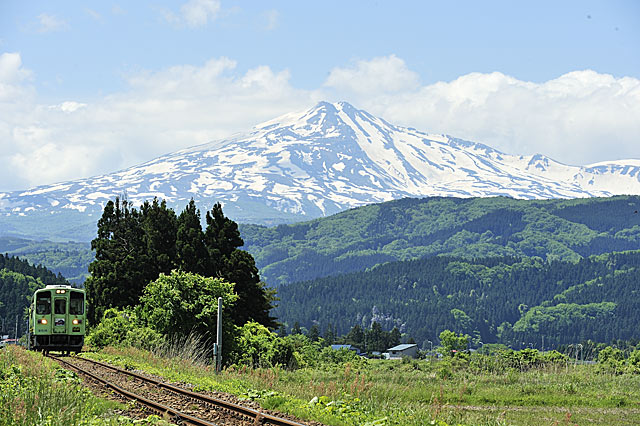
179 405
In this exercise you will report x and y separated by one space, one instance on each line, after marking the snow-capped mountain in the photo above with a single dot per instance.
321 161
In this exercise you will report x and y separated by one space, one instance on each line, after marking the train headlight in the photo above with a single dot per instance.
43 321
75 321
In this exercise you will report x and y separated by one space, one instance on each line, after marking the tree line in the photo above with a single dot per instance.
521 302
373 339
406 229
134 247
18 280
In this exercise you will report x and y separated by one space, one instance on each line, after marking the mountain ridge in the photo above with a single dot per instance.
314 163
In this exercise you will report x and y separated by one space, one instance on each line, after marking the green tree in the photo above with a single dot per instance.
121 267
160 227
394 337
296 328
254 299
257 346
123 328
329 335
453 343
182 302
375 338
314 333
356 336
222 240
191 251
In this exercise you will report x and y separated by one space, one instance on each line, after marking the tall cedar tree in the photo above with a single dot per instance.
192 255
160 229
254 298
121 268
222 239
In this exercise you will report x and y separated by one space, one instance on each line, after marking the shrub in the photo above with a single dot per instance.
453 343
337 356
633 362
257 346
123 328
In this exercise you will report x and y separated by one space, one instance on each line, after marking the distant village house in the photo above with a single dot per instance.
405 350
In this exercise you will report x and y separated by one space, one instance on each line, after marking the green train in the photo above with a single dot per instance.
57 319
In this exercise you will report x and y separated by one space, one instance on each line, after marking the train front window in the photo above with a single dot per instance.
43 304
76 303
61 306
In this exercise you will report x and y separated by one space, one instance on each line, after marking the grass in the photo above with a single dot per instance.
36 391
378 392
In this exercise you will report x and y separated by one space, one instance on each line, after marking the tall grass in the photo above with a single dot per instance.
193 348
34 391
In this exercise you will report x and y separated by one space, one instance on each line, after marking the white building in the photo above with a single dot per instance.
408 349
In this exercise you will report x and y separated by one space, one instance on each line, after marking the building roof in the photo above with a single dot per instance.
402 347
337 347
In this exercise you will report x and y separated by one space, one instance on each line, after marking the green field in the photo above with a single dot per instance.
479 391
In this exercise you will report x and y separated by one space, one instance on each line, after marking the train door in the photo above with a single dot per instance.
60 315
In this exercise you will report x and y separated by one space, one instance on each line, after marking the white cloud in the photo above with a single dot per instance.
50 23
68 106
160 112
117 10
578 118
194 13
12 75
272 17
379 76
93 14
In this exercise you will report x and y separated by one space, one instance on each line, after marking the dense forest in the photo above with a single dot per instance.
413 228
18 280
515 301
71 259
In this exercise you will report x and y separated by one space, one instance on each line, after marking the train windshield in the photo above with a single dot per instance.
43 303
61 306
76 303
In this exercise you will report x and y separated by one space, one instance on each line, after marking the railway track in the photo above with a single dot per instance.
174 403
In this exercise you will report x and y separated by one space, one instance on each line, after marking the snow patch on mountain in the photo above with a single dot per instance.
324 160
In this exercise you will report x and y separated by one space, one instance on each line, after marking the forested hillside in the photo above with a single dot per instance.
18 280
71 259
472 227
508 300
405 229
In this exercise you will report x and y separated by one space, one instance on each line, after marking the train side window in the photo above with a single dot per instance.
76 303
43 304
61 306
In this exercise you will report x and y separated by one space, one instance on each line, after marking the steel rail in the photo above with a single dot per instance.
160 408
258 416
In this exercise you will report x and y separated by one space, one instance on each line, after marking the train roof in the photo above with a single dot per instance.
60 286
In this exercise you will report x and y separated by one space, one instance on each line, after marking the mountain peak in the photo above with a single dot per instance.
320 161
324 118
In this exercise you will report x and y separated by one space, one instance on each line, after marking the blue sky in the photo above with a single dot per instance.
92 87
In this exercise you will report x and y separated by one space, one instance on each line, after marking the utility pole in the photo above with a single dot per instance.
219 338
28 333
16 335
